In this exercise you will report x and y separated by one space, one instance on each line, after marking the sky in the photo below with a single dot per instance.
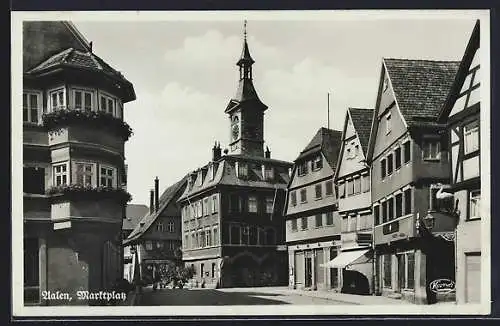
184 73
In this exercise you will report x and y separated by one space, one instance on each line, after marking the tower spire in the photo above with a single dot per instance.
245 30
245 62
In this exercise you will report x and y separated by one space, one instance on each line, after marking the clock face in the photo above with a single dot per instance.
236 131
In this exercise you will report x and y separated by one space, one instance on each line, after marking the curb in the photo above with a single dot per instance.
328 298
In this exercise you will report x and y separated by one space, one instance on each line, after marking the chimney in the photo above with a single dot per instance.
157 196
268 153
216 152
151 201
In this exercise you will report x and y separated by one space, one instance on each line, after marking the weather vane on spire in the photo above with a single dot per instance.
245 29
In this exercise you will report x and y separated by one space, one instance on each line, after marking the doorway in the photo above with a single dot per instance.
308 270
401 272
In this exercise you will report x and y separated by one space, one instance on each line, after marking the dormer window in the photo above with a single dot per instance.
199 180
268 172
241 170
317 163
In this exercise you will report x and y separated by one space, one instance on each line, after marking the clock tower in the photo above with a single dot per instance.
246 111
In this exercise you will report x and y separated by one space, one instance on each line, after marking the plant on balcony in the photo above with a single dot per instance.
78 191
100 119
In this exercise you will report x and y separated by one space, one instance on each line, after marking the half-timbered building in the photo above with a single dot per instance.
461 112
408 155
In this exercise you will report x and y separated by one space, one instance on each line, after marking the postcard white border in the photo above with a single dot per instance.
19 310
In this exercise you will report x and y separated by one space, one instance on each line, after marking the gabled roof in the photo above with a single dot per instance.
74 58
134 213
362 122
420 87
328 142
467 58
167 197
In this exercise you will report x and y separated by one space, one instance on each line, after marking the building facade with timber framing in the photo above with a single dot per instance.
74 164
232 221
461 112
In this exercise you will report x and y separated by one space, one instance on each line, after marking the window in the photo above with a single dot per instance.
107 104
471 137
328 188
431 150
474 205
357 184
107 177
293 198
268 173
382 168
407 151
303 195
186 241
408 201
269 205
388 123
215 204
397 156
384 211
351 223
242 170
84 173
159 244
294 224
399 205
350 187
57 99
389 164
317 189
433 202
205 206
366 183
252 204
34 180
319 220
410 280
303 223
203 239
244 234
159 227
199 207
149 245
216 236
194 243
171 227
390 208
317 163
341 189
329 218
302 168
235 235
82 100
252 236
208 238
376 214
32 107
387 279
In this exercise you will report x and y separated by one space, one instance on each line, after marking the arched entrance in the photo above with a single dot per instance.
245 270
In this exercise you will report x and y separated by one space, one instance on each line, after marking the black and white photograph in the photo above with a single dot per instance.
251 163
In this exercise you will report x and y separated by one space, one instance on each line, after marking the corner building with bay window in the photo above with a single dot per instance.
232 220
408 154
74 165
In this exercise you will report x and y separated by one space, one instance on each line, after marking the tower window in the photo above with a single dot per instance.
60 174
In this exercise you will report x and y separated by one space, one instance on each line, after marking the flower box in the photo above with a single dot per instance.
107 121
89 192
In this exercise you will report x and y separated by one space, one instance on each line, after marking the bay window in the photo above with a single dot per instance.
341 189
107 104
84 173
32 107
60 174
57 99
397 156
108 176
83 99
399 205
376 214
431 150
383 168
389 164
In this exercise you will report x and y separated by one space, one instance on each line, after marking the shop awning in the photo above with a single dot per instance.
347 258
